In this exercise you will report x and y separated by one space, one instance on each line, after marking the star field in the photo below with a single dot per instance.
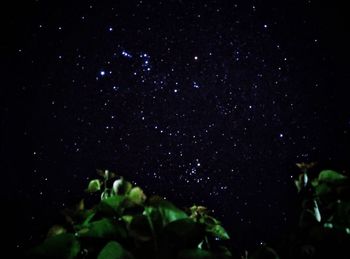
202 102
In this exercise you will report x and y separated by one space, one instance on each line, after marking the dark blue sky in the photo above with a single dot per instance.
202 102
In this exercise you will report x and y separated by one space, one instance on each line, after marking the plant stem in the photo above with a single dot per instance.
207 242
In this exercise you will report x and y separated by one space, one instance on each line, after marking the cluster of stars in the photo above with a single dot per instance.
191 101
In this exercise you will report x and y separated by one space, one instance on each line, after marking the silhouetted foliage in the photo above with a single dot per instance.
125 223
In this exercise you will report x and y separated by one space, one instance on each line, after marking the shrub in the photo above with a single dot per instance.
127 224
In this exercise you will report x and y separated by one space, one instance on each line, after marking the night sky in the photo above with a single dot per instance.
206 102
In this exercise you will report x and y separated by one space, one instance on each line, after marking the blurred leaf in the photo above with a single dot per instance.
56 230
316 212
112 206
121 187
314 183
127 218
136 195
59 246
218 231
94 186
115 201
167 210
113 250
213 226
103 228
322 189
106 194
331 176
88 217
116 185
298 184
302 181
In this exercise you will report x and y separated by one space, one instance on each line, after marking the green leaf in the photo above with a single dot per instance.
218 231
127 218
208 220
89 216
196 254
167 210
113 250
136 195
214 227
94 186
331 176
115 201
103 228
121 187
322 189
59 246
112 206
56 230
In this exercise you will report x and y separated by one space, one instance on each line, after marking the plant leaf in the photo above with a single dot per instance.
113 250
136 195
59 246
89 216
167 210
56 230
330 176
121 187
94 186
103 228
112 206
322 189
218 231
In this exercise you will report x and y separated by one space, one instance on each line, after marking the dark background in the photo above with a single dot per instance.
223 129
